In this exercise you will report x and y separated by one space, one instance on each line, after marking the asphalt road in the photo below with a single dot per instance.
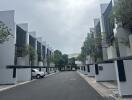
61 86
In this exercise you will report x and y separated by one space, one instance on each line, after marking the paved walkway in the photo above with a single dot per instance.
106 89
61 86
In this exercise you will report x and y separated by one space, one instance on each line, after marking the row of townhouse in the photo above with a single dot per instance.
15 51
117 57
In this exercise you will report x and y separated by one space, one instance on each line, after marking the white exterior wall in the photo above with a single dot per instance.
23 74
111 51
20 61
92 70
89 60
7 49
125 88
123 37
107 74
40 63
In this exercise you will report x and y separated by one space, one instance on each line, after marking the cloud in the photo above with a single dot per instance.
64 24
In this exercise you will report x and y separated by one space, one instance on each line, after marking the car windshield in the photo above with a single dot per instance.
35 70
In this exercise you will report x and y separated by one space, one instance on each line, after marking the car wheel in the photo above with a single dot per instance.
38 76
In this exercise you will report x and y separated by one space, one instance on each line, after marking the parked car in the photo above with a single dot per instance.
37 74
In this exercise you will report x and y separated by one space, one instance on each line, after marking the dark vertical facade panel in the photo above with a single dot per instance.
97 28
44 51
121 71
39 50
88 68
20 41
14 72
96 69
84 68
39 69
107 24
20 37
32 41
47 56
117 48
38 47
47 53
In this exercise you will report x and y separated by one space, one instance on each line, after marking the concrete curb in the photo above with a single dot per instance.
22 83
12 86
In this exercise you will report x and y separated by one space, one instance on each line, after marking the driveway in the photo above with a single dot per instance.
61 86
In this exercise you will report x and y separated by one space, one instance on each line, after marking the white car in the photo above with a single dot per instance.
37 74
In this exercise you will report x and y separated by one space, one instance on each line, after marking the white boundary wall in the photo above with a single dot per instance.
92 70
125 88
23 74
85 71
107 73
111 51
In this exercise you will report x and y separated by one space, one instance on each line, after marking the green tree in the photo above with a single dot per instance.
26 50
81 57
65 59
122 12
32 54
57 57
90 47
4 32
72 61
22 51
40 57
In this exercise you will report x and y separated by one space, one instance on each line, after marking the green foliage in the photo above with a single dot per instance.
51 58
57 57
81 57
4 32
32 54
72 61
122 11
40 57
60 59
22 51
26 50
65 59
90 48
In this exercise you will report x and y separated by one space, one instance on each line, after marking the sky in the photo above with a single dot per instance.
63 24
